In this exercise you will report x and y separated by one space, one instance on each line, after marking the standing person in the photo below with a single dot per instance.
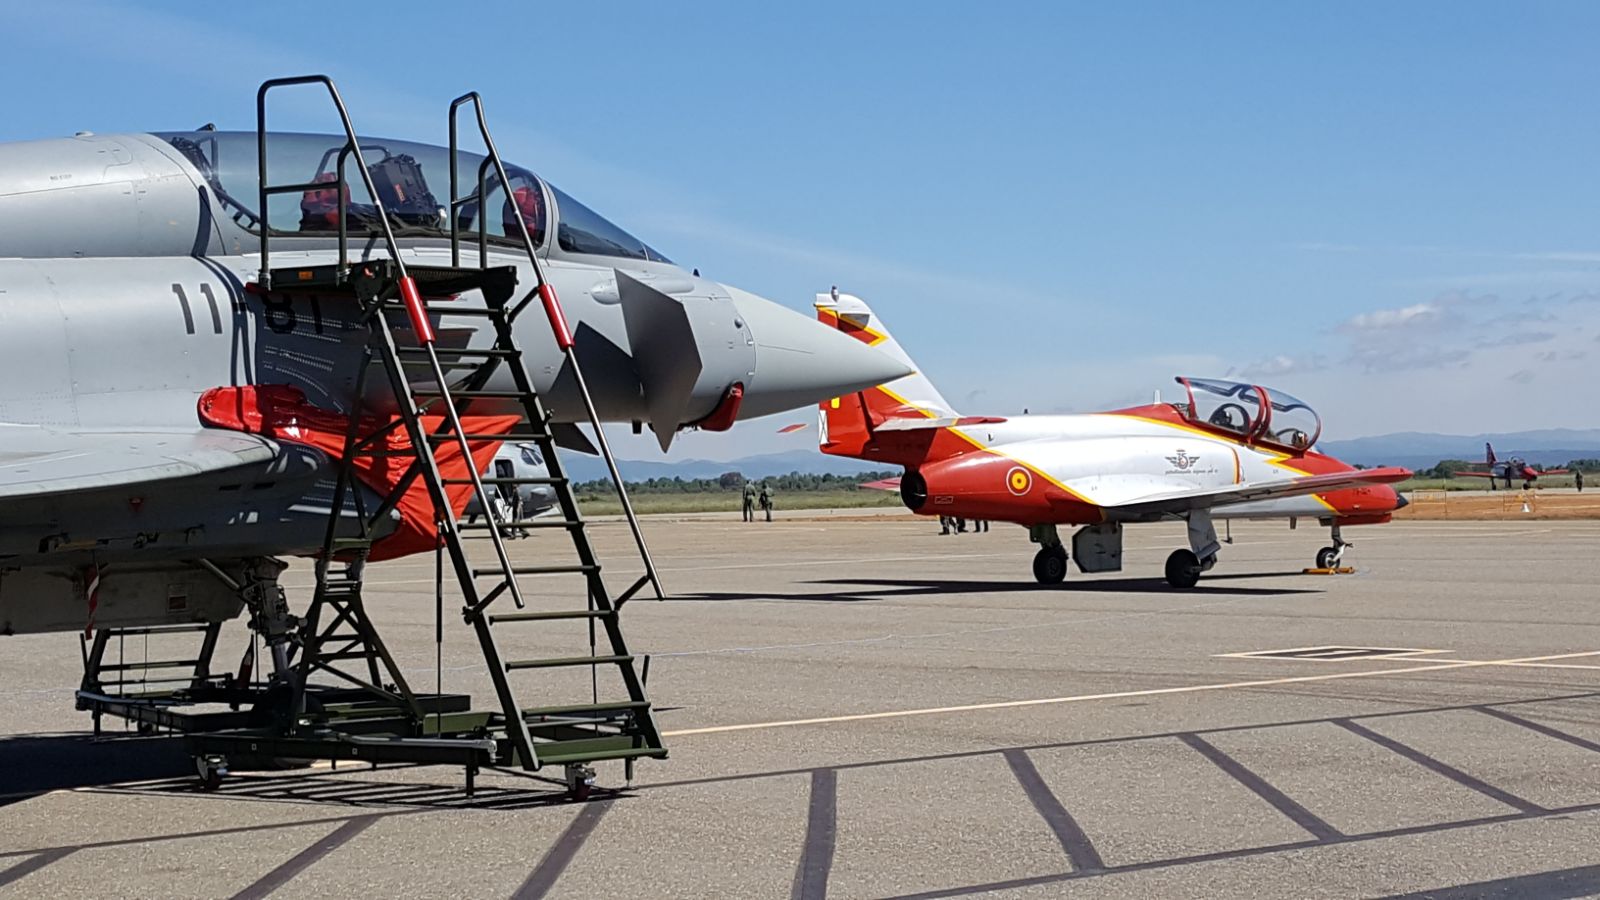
749 501
766 500
1577 479
944 524
980 525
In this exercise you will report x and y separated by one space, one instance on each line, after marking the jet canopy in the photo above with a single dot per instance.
1253 412
412 179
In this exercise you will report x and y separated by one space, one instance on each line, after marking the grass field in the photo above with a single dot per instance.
606 504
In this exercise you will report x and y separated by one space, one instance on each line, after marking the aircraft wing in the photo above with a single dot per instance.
1553 471
1260 490
886 484
37 461
910 424
1477 474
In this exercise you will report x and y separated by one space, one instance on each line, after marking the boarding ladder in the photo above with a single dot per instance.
401 303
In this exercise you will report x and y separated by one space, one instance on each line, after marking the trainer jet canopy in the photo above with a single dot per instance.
1253 412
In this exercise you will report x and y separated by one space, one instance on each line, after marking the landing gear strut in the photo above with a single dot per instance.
1330 557
1184 566
1050 563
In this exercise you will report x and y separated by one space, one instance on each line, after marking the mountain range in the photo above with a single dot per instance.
1547 447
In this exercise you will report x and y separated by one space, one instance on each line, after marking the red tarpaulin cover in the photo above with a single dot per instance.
281 412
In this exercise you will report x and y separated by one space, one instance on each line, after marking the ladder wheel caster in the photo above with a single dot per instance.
1327 557
211 770
146 728
1050 565
580 782
1183 569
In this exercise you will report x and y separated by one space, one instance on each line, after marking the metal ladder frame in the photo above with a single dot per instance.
386 286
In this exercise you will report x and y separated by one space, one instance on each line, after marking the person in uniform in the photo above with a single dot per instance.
749 501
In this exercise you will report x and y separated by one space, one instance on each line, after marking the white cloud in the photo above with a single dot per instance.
1281 364
1517 338
1418 314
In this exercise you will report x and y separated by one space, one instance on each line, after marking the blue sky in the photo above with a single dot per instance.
1388 209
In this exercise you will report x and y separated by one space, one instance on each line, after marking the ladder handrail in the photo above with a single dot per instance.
552 305
352 148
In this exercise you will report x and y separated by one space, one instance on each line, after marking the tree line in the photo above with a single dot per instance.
733 482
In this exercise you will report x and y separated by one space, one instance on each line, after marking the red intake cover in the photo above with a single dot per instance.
281 412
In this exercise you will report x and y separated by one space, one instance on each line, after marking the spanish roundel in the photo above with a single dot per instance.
1018 480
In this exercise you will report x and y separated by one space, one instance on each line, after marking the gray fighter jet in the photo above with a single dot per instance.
125 263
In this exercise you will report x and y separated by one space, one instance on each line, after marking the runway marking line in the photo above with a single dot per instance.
1332 653
1436 666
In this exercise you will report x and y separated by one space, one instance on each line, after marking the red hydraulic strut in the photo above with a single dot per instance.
558 320
419 316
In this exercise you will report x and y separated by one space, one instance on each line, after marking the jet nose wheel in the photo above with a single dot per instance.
1327 558
1183 569
1050 565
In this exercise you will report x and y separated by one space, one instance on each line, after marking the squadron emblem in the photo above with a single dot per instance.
1183 460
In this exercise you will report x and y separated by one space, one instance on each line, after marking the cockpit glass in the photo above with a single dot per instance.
582 230
1233 406
1293 424
412 179
1227 405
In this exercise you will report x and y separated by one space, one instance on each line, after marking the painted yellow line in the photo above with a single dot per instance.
1117 695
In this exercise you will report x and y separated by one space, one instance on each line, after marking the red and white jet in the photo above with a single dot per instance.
1508 469
1229 450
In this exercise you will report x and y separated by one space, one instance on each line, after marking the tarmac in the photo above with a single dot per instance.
858 707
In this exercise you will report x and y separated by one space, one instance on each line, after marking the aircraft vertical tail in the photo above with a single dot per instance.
851 425
912 394
1488 454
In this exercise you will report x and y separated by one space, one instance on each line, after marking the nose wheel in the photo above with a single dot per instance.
1330 557
1050 564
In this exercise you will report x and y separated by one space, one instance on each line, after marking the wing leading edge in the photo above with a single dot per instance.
1261 490
38 461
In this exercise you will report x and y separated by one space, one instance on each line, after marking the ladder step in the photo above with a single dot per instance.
536 570
474 394
458 352
587 708
545 616
445 310
150 664
541 480
526 523
349 654
155 629
563 661
479 436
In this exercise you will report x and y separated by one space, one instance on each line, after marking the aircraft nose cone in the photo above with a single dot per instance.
1400 501
800 362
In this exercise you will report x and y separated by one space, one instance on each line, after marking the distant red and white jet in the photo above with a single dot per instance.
1229 450
1509 469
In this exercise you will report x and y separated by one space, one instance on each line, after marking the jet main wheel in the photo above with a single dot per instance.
1327 557
1183 569
1050 565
